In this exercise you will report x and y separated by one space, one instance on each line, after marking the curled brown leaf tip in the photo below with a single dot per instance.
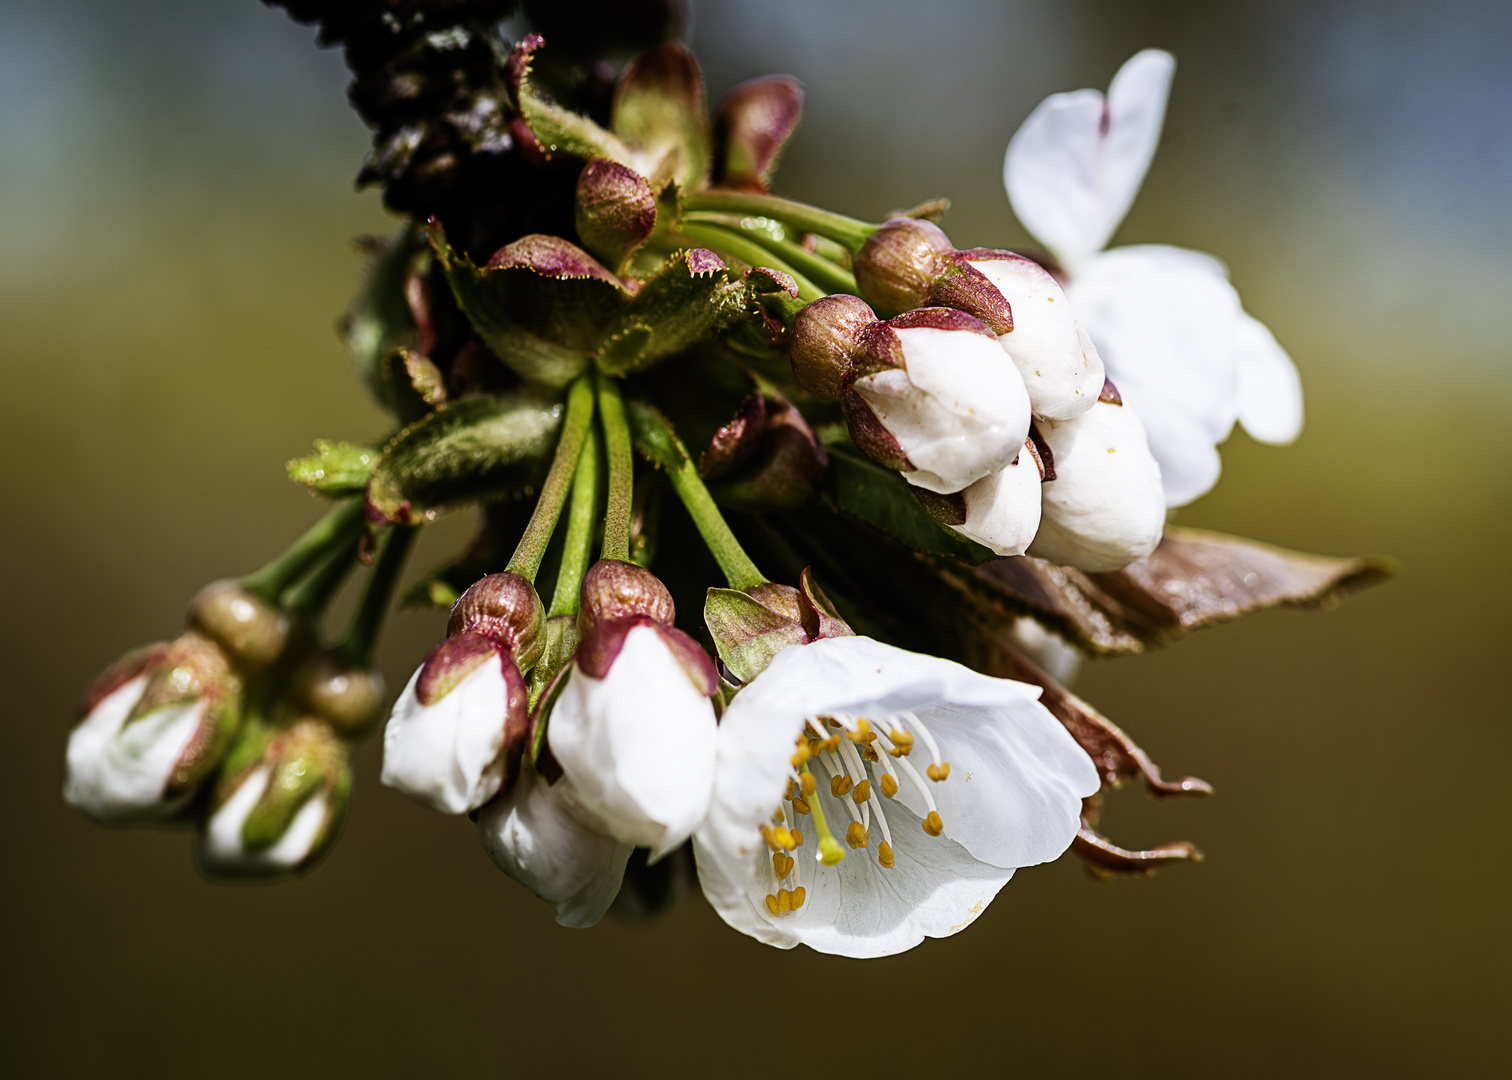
1107 859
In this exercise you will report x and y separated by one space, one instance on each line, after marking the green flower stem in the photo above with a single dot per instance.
656 438
308 600
735 243
621 469
581 519
341 523
361 642
837 227
819 270
543 520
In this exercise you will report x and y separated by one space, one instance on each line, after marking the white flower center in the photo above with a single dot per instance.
861 760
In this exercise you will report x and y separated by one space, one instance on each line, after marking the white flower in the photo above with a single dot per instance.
223 847
955 408
1002 511
154 725
1060 366
1104 509
1003 790
534 835
633 730
445 744
1166 321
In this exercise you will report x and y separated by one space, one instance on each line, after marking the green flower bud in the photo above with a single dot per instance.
250 630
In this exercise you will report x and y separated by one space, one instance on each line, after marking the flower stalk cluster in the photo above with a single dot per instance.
654 377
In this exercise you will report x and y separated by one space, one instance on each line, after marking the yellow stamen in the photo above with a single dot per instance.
839 785
806 782
800 805
798 895
885 855
933 825
869 752
889 785
771 902
862 792
791 787
770 837
856 836
782 836
938 772
797 839
784 901
814 746
832 743
782 864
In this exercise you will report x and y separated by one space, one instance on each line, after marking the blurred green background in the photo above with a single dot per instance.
176 180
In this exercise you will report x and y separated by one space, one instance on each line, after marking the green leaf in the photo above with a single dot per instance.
659 110
336 468
690 298
378 319
498 304
482 447
861 489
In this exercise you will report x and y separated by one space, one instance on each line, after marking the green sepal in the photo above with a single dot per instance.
559 640
747 633
688 299
378 320
558 130
859 488
335 469
417 385
483 447
303 761
659 110
495 301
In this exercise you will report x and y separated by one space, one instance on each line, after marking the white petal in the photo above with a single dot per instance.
1166 322
1061 368
533 836
221 843
447 754
1106 506
1074 166
1054 654
1270 391
1003 510
1013 798
119 773
959 410
637 746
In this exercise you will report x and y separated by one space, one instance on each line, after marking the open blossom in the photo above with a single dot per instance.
929 392
1169 326
1104 506
153 727
534 834
934 783
460 721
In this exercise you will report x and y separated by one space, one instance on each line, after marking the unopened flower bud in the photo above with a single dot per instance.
279 812
250 630
898 265
616 211
786 470
620 590
346 697
459 725
152 727
1106 506
825 337
503 607
1000 511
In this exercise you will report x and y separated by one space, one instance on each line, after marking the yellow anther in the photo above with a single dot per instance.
831 721
898 751
814 746
782 864
784 902
885 855
797 840
869 752
791 787
770 837
778 817
933 825
863 726
782 837
800 805
855 836
772 902
832 743
798 895
889 785
839 785
938 772
807 783
800 758
902 741
862 792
